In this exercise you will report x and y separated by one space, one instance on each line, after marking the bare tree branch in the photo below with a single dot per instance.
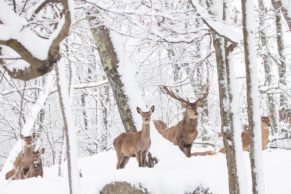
39 67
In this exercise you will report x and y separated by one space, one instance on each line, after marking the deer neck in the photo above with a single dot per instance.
190 123
264 125
27 149
145 133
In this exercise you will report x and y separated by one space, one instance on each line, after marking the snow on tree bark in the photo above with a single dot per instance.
109 63
234 123
223 50
269 77
69 129
252 97
281 61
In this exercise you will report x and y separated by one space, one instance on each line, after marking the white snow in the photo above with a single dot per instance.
173 175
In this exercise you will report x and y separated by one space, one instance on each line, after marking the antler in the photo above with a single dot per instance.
169 92
204 95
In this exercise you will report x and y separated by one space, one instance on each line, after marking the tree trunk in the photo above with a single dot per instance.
109 63
279 5
227 128
281 62
69 130
269 77
252 96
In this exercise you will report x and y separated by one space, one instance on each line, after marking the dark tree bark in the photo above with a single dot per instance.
109 63
281 61
278 5
223 48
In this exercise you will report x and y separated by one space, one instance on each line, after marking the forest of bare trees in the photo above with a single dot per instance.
74 72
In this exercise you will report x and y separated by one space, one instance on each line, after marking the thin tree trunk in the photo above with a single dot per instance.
226 131
227 128
252 97
269 77
279 5
69 129
281 62
109 63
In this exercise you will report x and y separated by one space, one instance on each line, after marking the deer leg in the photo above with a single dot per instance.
139 158
188 150
119 160
142 159
124 161
10 174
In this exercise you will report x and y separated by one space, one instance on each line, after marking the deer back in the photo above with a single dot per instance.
126 143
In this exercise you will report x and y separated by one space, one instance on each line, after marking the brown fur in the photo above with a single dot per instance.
134 144
36 168
22 163
185 131
245 135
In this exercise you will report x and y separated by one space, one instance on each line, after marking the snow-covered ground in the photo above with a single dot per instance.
175 175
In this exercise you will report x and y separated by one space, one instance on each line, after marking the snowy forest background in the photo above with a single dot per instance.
166 42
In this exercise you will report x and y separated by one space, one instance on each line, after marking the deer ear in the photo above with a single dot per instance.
183 104
138 110
152 109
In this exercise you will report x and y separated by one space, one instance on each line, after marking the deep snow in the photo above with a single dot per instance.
175 175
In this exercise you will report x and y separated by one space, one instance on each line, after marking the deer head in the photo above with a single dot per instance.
146 116
29 139
191 107
36 159
266 120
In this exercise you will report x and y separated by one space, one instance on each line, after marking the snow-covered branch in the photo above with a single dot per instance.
219 27
40 53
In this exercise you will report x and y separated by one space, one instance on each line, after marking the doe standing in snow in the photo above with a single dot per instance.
134 144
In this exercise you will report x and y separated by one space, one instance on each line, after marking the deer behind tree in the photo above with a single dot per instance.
134 144
185 131
245 135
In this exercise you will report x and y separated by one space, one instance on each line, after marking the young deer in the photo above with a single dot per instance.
23 161
36 168
134 144
185 131
245 135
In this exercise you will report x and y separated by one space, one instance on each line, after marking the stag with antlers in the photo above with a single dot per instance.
185 131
